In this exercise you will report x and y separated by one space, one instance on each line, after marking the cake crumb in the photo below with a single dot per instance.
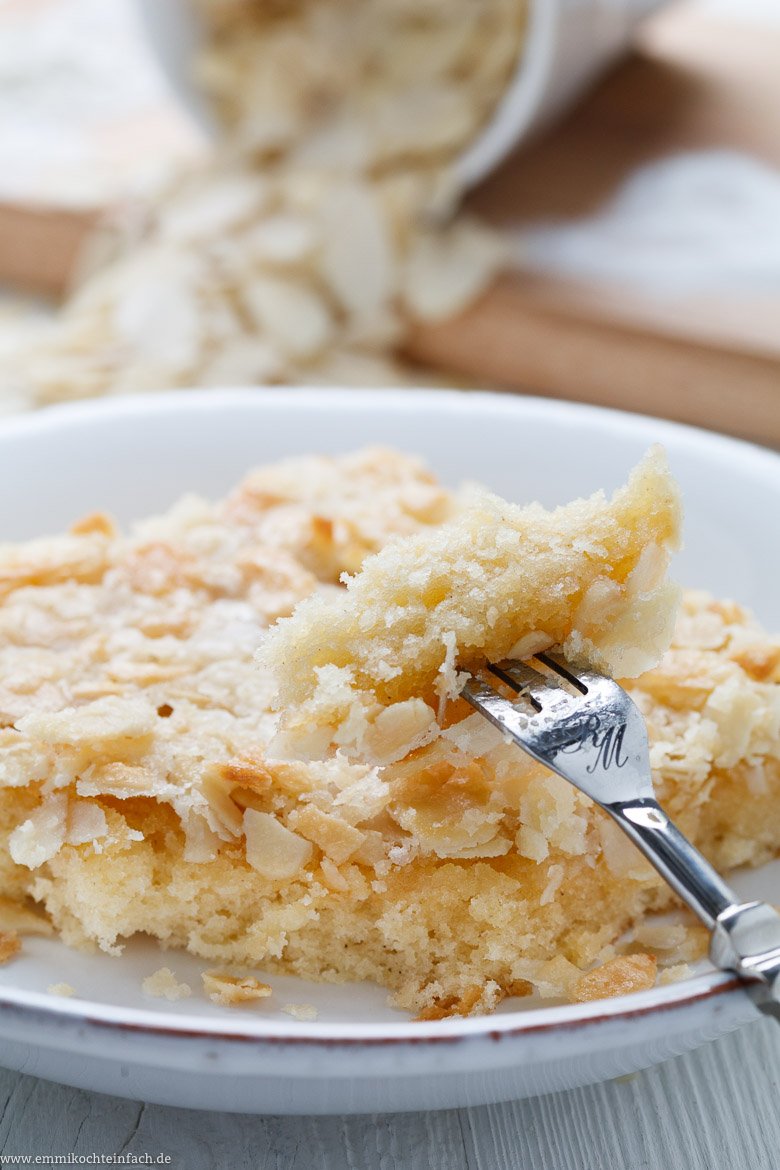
63 989
301 1011
674 974
163 984
10 945
229 990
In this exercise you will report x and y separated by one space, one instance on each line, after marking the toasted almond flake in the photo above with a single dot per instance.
272 849
553 978
243 359
218 204
120 780
42 835
399 729
620 976
163 984
294 317
229 990
518 988
337 839
356 260
445 273
63 989
86 822
472 1000
530 644
282 239
228 815
157 311
301 1011
332 876
99 723
201 843
660 936
532 844
554 878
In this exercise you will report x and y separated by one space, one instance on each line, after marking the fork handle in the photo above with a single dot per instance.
745 935
672 854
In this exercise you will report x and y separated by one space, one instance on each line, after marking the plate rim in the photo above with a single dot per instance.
40 1007
44 1008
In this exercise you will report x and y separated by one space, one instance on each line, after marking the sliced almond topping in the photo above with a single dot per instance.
86 822
332 877
42 835
94 725
272 849
517 988
335 837
398 729
63 989
532 844
228 814
466 1004
300 1011
619 976
662 936
296 319
246 773
118 779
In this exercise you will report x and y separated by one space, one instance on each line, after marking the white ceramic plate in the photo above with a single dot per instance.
135 456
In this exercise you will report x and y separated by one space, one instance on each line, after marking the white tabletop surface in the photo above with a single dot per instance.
714 1109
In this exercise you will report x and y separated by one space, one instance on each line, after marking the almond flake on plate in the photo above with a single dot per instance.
300 1011
229 990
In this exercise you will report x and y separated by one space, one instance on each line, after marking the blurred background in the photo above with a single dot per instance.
580 201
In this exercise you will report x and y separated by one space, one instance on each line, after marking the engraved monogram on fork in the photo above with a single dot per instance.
607 742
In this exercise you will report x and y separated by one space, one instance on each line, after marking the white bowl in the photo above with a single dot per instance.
133 456
569 43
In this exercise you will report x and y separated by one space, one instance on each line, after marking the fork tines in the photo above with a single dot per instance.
538 688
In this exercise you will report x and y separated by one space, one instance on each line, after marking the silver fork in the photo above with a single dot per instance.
585 727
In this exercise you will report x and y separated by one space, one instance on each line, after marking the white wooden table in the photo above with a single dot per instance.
714 1109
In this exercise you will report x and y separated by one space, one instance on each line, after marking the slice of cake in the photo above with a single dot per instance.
145 785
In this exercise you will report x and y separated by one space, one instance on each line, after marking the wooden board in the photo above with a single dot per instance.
692 84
